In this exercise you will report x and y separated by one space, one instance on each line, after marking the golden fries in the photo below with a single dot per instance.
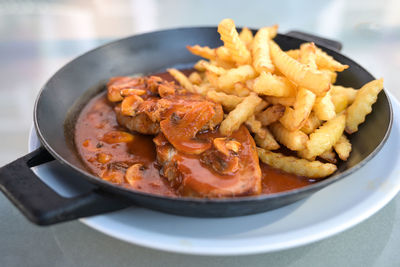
223 54
260 51
311 124
343 147
228 102
262 136
204 65
271 114
204 51
284 101
325 136
323 108
330 73
195 78
182 79
340 101
348 91
301 74
260 107
294 140
239 115
273 85
285 98
293 53
302 167
329 156
325 61
307 55
237 49
362 105
294 119
232 76
246 36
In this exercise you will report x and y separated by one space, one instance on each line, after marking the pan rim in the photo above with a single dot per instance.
115 188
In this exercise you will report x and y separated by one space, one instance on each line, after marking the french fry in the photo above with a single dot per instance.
301 167
299 73
250 84
232 76
308 55
271 114
285 101
293 53
348 91
325 61
182 79
311 124
239 115
228 102
273 31
330 73
200 66
211 67
294 140
237 49
323 108
329 156
340 101
262 136
239 89
203 88
260 107
260 51
212 78
224 64
294 118
273 85
282 97
362 105
325 136
246 36
195 78
343 147
202 51
223 54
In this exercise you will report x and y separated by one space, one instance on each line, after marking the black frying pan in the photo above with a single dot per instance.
63 96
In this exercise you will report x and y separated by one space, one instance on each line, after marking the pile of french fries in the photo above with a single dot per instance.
284 98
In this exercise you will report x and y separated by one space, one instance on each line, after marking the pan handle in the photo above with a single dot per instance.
39 203
331 44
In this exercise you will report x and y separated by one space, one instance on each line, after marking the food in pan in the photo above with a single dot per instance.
249 119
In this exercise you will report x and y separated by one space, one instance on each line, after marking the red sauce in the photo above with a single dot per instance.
98 118
274 181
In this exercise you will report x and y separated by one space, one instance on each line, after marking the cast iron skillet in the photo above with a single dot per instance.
64 95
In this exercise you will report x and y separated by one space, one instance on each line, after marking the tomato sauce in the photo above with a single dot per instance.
98 119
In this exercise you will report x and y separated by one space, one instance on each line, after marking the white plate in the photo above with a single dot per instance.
325 213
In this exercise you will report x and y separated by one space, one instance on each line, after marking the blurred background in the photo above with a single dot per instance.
38 37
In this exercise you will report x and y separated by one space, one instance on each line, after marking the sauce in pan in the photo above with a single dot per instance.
98 136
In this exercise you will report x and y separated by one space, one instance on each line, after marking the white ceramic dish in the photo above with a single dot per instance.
325 213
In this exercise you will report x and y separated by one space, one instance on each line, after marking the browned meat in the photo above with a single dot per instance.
229 168
194 157
140 123
148 101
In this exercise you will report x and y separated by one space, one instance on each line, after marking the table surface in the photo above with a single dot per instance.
38 37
